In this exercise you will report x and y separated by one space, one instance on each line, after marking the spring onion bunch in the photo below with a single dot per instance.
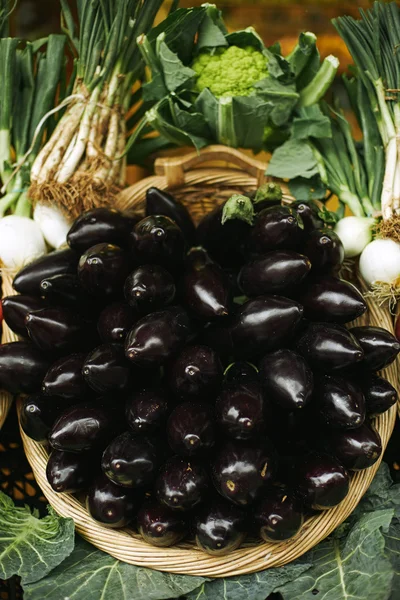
82 163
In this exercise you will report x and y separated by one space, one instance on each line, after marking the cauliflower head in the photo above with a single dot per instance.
230 71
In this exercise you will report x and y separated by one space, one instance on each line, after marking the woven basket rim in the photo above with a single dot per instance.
185 558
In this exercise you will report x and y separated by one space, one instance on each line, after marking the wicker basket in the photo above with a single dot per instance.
200 189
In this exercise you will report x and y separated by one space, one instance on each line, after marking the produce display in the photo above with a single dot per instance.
199 382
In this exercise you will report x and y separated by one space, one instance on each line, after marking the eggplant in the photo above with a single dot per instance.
82 427
110 504
331 300
274 273
190 429
224 243
27 281
154 339
329 347
240 410
196 373
115 322
160 202
379 394
97 226
17 308
339 403
325 250
218 337
131 461
241 372
240 472
158 240
321 482
264 324
380 346
57 330
103 269
146 411
69 473
220 528
277 227
357 449
38 414
287 379
106 369
309 213
279 515
149 288
65 379
22 367
160 526
65 290
206 288
182 484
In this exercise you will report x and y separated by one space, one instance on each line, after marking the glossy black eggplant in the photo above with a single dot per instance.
107 370
240 410
279 515
357 449
287 379
82 427
22 367
157 239
160 526
97 226
325 250
158 337
57 329
27 281
115 322
65 290
38 414
110 504
160 202
329 347
17 308
321 481
220 528
241 471
331 300
195 373
240 372
146 410
380 346
379 394
263 324
69 473
274 273
309 213
65 379
275 228
103 269
338 402
182 484
149 288
131 461
224 243
206 287
190 429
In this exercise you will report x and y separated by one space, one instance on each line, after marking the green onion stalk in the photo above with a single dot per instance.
82 165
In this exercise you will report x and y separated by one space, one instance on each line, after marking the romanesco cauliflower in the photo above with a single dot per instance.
230 71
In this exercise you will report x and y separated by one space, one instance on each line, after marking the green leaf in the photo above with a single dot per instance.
294 159
311 123
31 547
282 98
207 104
250 115
392 551
249 587
210 33
354 567
176 75
307 189
245 37
89 574
163 124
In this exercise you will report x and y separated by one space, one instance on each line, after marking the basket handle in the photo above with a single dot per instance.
174 168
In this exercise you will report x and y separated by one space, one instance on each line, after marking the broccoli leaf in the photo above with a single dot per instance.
245 37
210 35
307 189
163 124
294 158
154 90
176 75
192 123
282 98
249 116
311 123
207 104
392 551
31 547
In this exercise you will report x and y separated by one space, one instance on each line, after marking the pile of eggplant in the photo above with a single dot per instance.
198 382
